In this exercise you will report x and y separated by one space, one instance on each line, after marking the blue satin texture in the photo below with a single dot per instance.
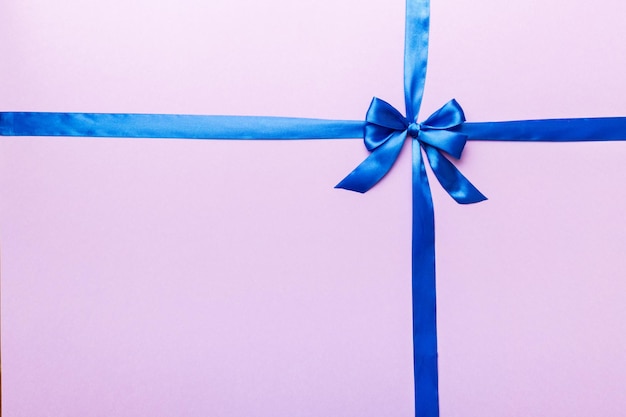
384 131
175 126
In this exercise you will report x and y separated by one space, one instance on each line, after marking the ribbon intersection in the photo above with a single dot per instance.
386 129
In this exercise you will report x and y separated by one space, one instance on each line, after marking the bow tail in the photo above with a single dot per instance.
451 178
375 166
423 293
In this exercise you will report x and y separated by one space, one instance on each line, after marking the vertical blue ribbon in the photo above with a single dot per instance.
425 370
387 128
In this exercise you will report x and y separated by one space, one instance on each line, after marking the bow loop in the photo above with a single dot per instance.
452 143
450 115
382 120
438 130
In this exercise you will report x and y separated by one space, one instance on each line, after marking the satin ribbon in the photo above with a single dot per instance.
384 133
175 126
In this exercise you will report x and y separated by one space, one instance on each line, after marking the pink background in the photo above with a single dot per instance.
215 278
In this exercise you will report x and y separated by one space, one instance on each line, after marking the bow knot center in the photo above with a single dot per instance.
414 130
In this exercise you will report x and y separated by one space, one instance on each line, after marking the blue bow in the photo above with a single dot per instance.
385 132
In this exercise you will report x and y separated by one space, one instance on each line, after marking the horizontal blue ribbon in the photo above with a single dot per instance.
549 130
175 126
384 131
